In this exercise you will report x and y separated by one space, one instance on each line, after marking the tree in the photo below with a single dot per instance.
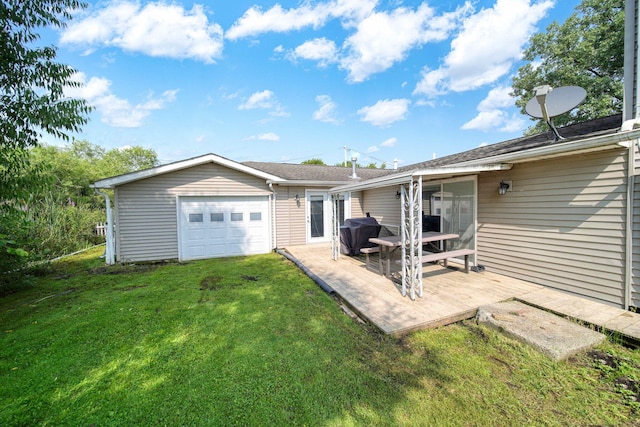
313 162
587 50
32 102
119 161
31 82
64 210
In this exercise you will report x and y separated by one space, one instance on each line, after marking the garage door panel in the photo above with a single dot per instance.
195 235
216 233
223 226
197 251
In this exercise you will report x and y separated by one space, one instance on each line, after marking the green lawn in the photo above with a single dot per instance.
253 341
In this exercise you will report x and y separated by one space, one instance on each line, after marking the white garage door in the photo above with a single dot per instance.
223 226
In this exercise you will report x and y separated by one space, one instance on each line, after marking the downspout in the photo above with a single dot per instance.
274 230
628 273
109 252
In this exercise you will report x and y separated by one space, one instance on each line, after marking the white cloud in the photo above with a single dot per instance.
265 100
255 21
116 111
326 111
155 29
486 47
384 38
498 97
321 50
372 149
270 136
385 112
378 39
391 142
492 114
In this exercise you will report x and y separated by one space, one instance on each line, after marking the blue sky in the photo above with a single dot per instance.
288 81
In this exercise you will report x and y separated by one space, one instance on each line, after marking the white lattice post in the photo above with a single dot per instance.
335 227
417 235
411 199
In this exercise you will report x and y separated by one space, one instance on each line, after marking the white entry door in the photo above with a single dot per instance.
318 216
211 227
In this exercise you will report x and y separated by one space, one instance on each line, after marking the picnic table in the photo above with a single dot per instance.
389 244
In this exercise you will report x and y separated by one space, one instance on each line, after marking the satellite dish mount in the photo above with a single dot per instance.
549 102
541 97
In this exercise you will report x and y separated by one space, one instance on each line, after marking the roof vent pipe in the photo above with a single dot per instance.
354 159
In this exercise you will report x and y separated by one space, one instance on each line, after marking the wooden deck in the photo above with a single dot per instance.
449 295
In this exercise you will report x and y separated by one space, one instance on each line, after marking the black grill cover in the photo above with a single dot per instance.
355 234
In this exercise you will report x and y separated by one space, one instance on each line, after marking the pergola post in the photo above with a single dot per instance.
411 233
335 227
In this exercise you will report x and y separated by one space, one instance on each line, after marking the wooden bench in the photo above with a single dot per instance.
372 250
450 254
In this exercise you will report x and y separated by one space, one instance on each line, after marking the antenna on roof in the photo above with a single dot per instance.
549 103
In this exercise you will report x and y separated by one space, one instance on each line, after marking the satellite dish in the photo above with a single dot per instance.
550 102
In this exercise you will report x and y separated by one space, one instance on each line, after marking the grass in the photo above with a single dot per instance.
252 341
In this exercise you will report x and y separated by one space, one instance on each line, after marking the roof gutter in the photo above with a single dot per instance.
302 183
598 143
435 173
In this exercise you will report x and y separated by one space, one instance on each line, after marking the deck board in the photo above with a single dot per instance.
449 295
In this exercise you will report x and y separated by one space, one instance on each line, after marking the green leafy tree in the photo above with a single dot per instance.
32 102
119 161
64 211
587 50
313 162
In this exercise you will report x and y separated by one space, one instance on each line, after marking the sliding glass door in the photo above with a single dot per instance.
458 207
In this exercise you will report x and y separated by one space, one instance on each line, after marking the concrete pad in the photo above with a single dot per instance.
554 336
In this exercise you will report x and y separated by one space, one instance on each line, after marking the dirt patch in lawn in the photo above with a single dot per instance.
124 269
621 373
210 283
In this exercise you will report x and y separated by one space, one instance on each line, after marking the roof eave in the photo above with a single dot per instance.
581 146
308 183
435 173
184 164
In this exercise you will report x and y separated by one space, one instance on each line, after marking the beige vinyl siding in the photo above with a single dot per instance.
356 204
147 226
291 220
562 224
635 263
382 204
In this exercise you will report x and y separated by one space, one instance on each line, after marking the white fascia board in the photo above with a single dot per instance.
183 164
435 173
385 181
303 183
597 143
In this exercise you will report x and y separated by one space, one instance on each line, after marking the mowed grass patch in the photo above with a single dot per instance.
253 341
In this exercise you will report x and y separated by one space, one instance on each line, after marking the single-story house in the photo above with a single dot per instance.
569 218
210 206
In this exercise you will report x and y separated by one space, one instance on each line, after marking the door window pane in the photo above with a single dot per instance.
217 217
255 216
236 216
317 215
197 217
458 201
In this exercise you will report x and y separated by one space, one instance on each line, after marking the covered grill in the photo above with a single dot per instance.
355 234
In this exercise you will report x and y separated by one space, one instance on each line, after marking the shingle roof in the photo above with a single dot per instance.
601 126
304 172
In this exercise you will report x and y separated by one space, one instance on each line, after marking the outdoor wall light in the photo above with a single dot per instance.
398 194
297 197
502 189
